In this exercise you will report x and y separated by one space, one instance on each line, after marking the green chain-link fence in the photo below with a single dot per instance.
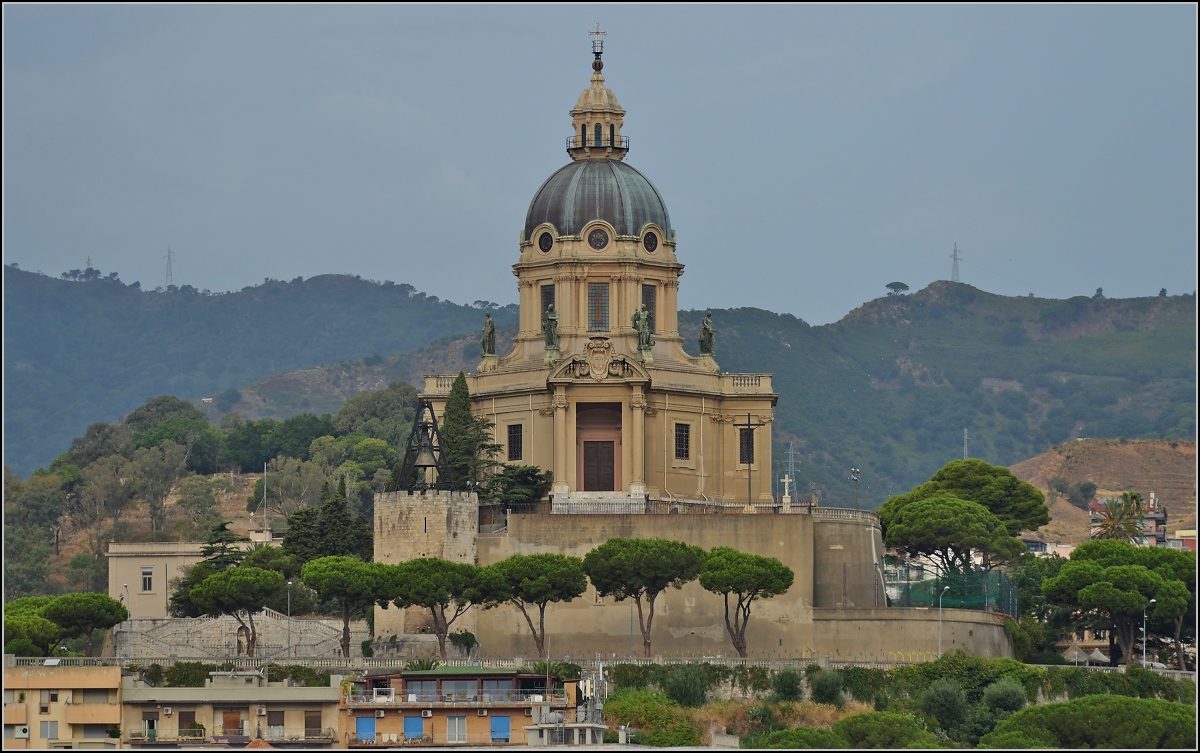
991 592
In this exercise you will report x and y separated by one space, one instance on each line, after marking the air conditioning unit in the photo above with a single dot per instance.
378 713
528 712
22 732
167 710
427 713
262 710
482 712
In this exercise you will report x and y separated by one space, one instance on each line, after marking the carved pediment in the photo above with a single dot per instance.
599 365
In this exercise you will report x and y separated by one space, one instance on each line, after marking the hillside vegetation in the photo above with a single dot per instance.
92 349
890 388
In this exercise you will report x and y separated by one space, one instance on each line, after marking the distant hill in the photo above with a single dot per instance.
890 388
76 352
1165 467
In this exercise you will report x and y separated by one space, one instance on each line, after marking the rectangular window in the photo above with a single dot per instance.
414 728
497 690
597 307
501 728
459 689
456 729
422 690
650 301
93 695
515 450
49 730
683 441
312 723
95 731
746 446
53 696
548 298
185 719
274 718
147 579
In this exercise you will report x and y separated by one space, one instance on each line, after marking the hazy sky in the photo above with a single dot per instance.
808 155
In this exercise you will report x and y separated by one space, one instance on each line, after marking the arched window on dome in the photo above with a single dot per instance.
599 135
612 135
583 134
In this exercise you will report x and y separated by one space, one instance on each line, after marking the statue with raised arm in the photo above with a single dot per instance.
708 336
488 341
550 327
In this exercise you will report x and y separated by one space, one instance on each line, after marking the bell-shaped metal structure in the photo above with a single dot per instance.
424 465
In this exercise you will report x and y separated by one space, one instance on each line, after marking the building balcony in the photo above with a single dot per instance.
312 735
391 697
604 142
93 713
397 740
16 713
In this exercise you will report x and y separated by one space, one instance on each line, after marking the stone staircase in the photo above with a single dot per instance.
217 638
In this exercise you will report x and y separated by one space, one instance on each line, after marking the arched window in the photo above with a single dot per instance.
583 134
612 135
599 135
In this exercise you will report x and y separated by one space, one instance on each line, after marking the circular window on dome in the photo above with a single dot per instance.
545 242
650 242
598 238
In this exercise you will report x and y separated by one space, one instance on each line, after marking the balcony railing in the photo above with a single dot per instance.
390 697
578 142
308 733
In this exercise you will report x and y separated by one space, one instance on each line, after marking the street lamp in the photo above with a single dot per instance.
129 632
289 619
1152 601
943 593
854 473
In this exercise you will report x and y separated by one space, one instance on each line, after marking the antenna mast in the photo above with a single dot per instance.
954 269
964 444
170 257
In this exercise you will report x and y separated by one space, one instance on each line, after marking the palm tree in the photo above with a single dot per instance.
1121 519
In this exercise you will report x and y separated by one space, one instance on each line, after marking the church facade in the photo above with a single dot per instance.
641 435
600 387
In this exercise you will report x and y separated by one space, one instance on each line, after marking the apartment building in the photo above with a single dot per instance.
233 708
51 706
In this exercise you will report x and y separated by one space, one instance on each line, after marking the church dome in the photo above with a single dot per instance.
597 189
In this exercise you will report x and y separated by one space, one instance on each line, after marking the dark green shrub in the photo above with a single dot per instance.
659 722
883 729
979 720
1004 695
788 685
827 688
1018 740
946 702
881 701
1105 721
23 647
762 717
687 685
154 675
187 674
863 684
798 737
367 649
751 678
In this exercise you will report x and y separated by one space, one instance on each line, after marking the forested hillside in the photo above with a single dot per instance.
92 349
890 388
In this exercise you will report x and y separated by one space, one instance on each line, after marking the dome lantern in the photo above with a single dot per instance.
597 117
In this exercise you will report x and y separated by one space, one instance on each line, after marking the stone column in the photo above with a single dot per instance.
637 410
669 307
560 442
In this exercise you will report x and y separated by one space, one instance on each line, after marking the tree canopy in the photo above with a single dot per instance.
1018 505
641 569
238 592
447 589
948 529
83 613
747 577
354 584
470 451
1100 721
533 580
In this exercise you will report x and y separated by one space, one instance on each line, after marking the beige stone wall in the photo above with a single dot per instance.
430 524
